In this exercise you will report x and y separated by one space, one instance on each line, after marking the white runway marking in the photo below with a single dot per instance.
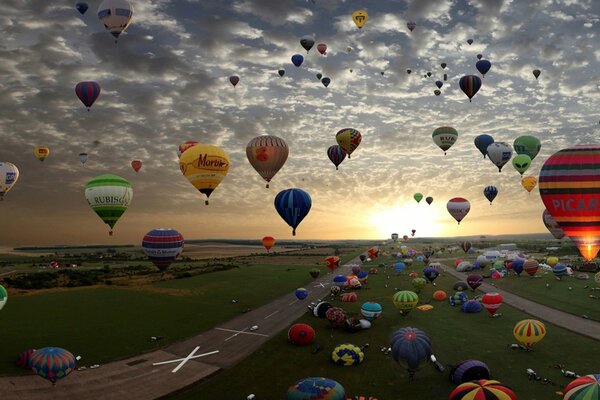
292 302
273 313
239 332
189 357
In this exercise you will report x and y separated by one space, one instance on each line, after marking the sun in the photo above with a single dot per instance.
426 220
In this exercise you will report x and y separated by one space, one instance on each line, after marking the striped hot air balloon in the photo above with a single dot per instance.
470 85
3 297
482 389
267 154
492 302
109 196
371 310
405 300
163 246
529 331
88 92
444 137
336 155
531 267
569 185
469 370
52 363
583 388
293 206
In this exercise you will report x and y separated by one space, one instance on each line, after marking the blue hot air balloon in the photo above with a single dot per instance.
411 346
483 66
517 265
482 142
52 363
439 84
293 205
297 60
430 273
81 7
399 266
162 246
490 193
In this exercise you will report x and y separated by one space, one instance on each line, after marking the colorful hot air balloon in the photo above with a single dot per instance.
205 166
417 197
3 296
136 165
529 183
569 184
411 25
483 66
371 310
458 208
184 146
316 388
307 41
268 242
429 200
490 193
267 154
332 262
293 205
482 389
81 7
162 246
418 284
83 157
521 162
301 293
347 354
492 302
444 137
470 85
348 139
297 60
529 331
41 153
336 316
87 92
405 300
466 246
536 73
116 15
360 18
528 145
322 48
531 267
552 226
499 153
109 196
482 142
52 363
301 334
234 80
583 388
411 346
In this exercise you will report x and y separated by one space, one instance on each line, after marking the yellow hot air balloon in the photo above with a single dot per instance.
360 17
552 261
41 152
348 139
205 166
529 183
529 331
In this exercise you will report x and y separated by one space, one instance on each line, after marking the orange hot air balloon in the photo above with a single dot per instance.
136 165
529 182
268 242
569 185
373 252
332 262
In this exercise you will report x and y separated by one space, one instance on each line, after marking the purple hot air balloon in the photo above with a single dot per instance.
411 346
470 85
474 281
87 92
439 84
469 370
471 306
336 154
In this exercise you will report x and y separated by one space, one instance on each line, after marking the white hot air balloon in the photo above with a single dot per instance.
116 16
499 153
9 174
458 208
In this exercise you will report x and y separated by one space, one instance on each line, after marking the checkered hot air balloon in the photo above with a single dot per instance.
529 331
162 246
482 389
348 139
52 363
347 354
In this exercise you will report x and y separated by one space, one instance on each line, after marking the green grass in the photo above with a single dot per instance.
455 336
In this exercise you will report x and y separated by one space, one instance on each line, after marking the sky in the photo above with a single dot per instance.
167 81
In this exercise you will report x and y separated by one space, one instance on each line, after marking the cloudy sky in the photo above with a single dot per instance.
166 82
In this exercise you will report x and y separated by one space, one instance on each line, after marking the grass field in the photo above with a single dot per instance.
107 323
455 336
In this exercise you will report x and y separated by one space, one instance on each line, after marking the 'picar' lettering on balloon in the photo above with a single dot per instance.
573 205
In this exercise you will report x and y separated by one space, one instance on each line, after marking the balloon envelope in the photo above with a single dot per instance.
136 165
297 60
444 137
483 66
482 389
268 242
552 226
9 174
529 331
162 246
109 196
52 363
204 166
316 388
528 145
458 207
234 80
470 85
348 139
482 143
293 205
267 154
307 42
360 18
115 15
411 346
499 153
82 7
529 183
87 92
490 193
492 302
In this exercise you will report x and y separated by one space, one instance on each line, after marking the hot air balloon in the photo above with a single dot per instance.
162 246
412 232
81 7
417 197
408 71
136 165
482 389
234 80
321 308
437 92
319 76
470 85
552 261
552 226
394 237
499 153
399 266
316 388
293 205
268 242
536 73
466 246
314 273
490 193
83 157
411 346
527 145
3 296
521 162
569 184
297 60
529 331
326 81
469 370
115 15
418 284
322 48
411 25
301 334
336 316
444 137
479 56
184 146
52 363
307 42
483 66
373 252
41 153
470 307
559 270
347 354
429 200
205 166
529 183
360 17
281 72
348 139
428 74
474 281
470 41
332 262
371 310
109 196
439 84
583 388
517 265
430 273
87 92
482 142
443 65
492 302
405 300
267 154
458 208
301 293
531 267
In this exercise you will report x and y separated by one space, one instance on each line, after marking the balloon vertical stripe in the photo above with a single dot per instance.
293 205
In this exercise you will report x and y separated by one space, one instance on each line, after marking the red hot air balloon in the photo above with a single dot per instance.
492 302
136 165
569 186
87 92
531 267
332 262
268 242
458 208
322 48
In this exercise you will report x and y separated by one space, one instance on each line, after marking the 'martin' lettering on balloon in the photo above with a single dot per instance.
573 205
212 162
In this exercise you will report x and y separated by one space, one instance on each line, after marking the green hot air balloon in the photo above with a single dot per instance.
522 162
3 297
109 196
444 137
529 145
405 300
418 197
419 284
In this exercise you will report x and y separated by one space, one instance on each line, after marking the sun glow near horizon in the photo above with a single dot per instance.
425 219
